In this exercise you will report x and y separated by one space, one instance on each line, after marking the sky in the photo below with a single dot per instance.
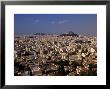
84 24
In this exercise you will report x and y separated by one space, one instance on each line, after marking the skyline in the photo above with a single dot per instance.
84 24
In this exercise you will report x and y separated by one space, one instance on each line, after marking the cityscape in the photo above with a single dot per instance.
66 51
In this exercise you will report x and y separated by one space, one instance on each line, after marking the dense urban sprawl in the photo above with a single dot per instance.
55 55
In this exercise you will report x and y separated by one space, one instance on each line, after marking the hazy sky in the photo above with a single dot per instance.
55 23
